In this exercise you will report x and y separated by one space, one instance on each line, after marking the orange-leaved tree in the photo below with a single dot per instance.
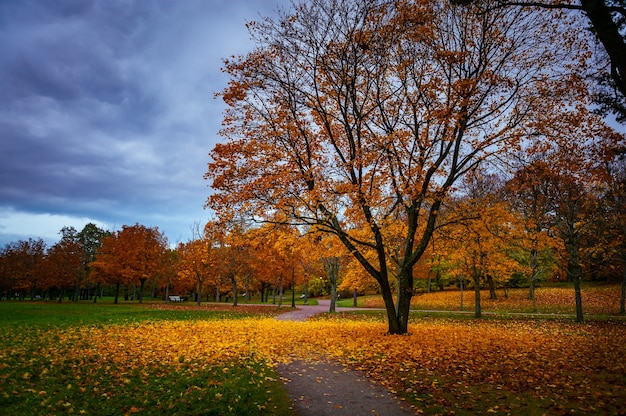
350 114
198 260
482 235
131 255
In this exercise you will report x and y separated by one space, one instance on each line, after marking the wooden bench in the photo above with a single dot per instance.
176 299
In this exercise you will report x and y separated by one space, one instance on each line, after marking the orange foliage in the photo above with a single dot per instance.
602 300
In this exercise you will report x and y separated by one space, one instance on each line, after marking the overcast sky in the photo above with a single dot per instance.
107 112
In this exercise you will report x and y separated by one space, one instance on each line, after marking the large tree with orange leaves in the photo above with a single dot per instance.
354 115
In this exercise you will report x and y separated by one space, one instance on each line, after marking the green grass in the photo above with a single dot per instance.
56 315
39 375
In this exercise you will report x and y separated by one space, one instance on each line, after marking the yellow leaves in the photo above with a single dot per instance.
439 355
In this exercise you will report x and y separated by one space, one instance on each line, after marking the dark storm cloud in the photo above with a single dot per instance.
107 110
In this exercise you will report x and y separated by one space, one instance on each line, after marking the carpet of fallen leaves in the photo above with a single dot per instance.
601 300
443 366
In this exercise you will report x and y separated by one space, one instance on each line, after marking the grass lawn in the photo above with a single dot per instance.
43 368
216 359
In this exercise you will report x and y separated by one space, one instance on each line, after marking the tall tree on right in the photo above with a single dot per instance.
606 21
575 156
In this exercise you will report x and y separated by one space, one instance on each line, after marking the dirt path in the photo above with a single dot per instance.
325 388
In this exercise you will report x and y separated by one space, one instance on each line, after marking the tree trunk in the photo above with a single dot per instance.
280 290
117 292
293 286
533 274
461 288
331 264
274 292
622 301
405 283
95 293
142 282
492 287
477 308
199 298
233 280
576 274
247 287
76 292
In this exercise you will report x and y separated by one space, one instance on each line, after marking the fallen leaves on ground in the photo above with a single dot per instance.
443 363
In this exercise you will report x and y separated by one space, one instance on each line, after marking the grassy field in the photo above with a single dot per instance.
53 361
218 360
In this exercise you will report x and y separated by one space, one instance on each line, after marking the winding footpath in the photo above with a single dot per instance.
325 388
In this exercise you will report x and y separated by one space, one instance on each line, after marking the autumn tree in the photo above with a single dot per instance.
129 256
238 248
198 259
528 196
169 267
90 239
576 176
613 207
21 265
350 115
482 232
65 266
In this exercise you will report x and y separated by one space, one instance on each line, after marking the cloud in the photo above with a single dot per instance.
107 111
22 226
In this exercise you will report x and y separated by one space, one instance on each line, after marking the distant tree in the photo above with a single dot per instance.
65 263
198 261
527 194
130 256
21 267
481 233
90 238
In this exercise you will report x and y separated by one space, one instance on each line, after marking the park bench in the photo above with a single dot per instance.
176 299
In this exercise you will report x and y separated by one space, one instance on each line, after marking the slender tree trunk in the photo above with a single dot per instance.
247 287
280 291
167 291
293 287
331 264
95 293
461 287
533 274
117 292
142 282
233 280
622 301
575 272
492 287
274 292
477 308
76 292
199 298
